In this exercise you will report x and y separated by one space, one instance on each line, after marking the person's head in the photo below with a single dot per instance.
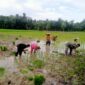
78 45
38 47
38 41
48 34
76 39
28 45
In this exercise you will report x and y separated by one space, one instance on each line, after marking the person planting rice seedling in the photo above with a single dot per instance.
76 40
48 43
48 39
34 47
21 48
71 47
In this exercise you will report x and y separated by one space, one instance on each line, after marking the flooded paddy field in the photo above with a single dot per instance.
50 62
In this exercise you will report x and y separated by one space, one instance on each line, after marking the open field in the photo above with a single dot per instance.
55 68
62 36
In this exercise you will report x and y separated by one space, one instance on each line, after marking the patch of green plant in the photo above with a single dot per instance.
3 48
38 63
2 71
31 68
24 71
16 38
79 69
30 78
71 66
13 53
13 42
39 79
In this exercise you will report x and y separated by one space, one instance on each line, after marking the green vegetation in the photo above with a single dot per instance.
3 48
38 63
67 69
30 78
26 23
39 79
33 34
31 68
2 71
24 71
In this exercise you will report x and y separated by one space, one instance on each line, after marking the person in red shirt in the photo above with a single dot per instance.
34 47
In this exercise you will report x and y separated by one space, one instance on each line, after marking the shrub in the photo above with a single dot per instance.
39 79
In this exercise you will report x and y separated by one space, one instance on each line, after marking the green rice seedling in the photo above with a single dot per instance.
2 71
39 79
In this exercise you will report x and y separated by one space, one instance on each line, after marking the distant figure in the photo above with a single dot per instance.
48 39
70 47
21 48
34 47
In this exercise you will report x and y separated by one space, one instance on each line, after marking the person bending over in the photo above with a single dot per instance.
34 47
71 47
21 48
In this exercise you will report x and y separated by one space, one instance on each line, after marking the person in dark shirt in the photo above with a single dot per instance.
71 46
20 49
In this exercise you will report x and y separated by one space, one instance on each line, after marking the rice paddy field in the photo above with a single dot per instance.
62 36
52 68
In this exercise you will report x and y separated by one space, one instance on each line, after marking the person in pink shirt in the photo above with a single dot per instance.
34 47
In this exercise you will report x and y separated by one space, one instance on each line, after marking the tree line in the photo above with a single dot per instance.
27 23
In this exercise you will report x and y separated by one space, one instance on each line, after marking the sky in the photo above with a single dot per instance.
45 9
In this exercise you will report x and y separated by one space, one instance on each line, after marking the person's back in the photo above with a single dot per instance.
71 46
34 46
21 46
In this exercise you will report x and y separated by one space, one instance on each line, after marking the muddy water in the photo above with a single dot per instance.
82 46
9 64
61 47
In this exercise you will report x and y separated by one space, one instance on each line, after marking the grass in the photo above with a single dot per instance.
24 71
64 67
62 36
2 71
38 63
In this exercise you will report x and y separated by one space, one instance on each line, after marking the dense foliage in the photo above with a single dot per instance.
27 23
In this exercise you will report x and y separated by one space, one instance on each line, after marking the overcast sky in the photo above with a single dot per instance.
45 9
